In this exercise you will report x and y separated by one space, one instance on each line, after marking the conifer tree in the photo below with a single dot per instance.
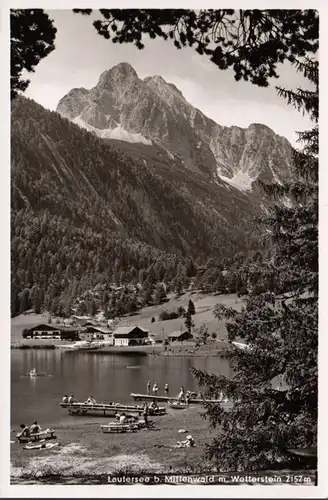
279 327
32 36
251 42
191 307
189 322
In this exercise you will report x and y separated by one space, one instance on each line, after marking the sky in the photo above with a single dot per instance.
81 55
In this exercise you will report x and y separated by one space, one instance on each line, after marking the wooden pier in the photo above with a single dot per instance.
166 399
106 409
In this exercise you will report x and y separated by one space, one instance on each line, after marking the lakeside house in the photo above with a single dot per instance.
46 332
93 332
130 335
81 320
122 336
59 332
179 336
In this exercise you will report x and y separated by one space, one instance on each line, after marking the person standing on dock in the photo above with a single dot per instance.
166 389
145 416
148 387
181 395
155 389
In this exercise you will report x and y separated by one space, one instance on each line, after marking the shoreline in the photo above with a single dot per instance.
183 350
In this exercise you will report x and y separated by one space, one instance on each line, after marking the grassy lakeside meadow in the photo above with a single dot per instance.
87 456
204 306
85 451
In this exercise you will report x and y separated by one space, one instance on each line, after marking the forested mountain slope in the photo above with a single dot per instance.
84 208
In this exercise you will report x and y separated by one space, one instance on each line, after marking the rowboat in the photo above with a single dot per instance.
108 409
116 427
81 345
37 436
40 446
178 405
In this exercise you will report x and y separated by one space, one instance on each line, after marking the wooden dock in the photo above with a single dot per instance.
166 399
105 409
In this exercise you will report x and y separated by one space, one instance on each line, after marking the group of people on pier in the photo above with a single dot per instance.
156 389
182 396
69 399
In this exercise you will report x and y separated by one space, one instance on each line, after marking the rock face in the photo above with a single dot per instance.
153 111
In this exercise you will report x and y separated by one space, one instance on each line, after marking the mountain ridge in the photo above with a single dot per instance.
153 110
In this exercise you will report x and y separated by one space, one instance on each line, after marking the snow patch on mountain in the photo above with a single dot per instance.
241 180
117 133
153 111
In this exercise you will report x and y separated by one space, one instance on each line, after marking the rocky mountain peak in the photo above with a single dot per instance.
118 74
154 111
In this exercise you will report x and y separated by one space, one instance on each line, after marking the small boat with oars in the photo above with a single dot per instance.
116 427
40 446
178 405
34 437
33 373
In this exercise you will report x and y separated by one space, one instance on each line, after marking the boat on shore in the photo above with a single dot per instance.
108 409
37 436
178 405
116 427
81 345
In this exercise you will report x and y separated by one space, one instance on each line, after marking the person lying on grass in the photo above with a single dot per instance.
188 443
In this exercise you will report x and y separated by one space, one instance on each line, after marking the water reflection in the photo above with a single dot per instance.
106 377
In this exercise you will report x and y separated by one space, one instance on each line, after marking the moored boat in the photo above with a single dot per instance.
81 345
116 427
178 405
37 436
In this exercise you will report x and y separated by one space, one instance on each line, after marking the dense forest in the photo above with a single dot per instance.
86 212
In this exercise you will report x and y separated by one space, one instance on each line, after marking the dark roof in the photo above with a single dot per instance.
177 334
125 330
44 325
93 328
68 329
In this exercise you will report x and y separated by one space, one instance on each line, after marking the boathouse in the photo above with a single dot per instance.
130 335
179 336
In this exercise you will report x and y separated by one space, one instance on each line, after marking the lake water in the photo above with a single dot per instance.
105 377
